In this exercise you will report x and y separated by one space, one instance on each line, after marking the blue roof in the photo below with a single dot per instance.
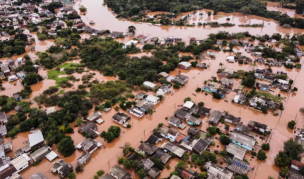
245 167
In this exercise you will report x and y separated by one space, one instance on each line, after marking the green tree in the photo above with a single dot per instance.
141 173
203 175
261 155
100 172
291 124
66 146
72 175
187 99
225 140
299 6
266 146
132 30
212 130
69 23
284 172
31 78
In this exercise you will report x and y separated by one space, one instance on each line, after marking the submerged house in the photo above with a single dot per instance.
163 156
89 129
238 166
179 152
242 140
94 117
36 139
258 127
184 65
119 173
214 171
121 118
215 117
176 122
232 119
88 145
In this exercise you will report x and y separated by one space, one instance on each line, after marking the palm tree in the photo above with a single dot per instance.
131 29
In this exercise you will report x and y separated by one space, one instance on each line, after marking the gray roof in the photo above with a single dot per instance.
35 138
87 144
193 131
94 116
238 166
215 117
119 173
243 139
121 116
38 176
65 170
84 158
236 151
3 117
154 172
163 156
175 120
40 153
106 176
200 146
149 149
174 149
88 127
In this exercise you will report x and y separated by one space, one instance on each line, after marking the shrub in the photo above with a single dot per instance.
291 124
100 172
266 147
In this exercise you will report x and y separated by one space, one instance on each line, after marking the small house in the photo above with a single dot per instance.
140 96
243 140
150 85
230 59
258 127
83 159
236 151
239 166
215 117
3 118
154 173
193 121
215 171
163 156
40 153
36 139
147 148
64 170
89 129
5 69
263 87
180 79
94 117
182 114
163 74
38 175
232 119
144 105
12 78
21 162
154 138
179 152
200 146
226 82
192 131
121 118
3 130
152 99
188 105
88 145
21 74
119 173
172 134
50 110
184 65
176 122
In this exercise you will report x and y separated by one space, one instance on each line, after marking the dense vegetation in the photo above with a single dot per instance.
13 47
66 146
112 133
292 151
129 8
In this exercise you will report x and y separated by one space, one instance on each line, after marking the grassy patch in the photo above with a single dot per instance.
54 74
270 96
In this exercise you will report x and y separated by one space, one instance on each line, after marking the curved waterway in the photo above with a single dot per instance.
104 18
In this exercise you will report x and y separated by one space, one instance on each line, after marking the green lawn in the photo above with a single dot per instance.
54 74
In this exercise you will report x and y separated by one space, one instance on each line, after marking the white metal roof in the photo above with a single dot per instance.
149 84
152 98
188 104
20 162
35 138
51 156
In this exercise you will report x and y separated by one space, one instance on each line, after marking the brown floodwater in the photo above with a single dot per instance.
105 19
107 156
275 6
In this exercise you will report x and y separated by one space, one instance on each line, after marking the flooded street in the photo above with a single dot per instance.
142 128
105 157
96 10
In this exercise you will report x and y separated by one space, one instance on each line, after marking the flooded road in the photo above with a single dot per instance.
106 157
105 19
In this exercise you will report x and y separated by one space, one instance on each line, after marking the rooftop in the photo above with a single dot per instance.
35 138
236 151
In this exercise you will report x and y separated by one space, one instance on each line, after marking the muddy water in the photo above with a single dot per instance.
275 6
96 10
106 157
